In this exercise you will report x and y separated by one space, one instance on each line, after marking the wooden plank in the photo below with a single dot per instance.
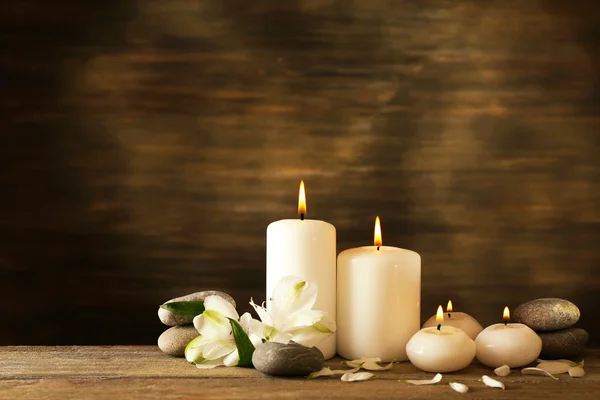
143 372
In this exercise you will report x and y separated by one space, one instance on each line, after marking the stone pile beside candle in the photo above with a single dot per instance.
553 320
181 331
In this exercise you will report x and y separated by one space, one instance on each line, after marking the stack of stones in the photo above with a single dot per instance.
173 340
553 320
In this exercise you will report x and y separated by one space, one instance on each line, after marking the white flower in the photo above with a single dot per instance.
216 346
290 315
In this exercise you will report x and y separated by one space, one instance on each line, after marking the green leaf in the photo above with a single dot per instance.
244 346
185 308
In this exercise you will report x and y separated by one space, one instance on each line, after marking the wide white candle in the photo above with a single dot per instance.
458 320
514 345
441 348
379 300
306 249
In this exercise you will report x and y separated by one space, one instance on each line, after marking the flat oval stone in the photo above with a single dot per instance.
173 340
171 319
567 343
290 359
548 314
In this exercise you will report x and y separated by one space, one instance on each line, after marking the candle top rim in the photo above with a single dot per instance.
510 325
373 249
299 221
446 330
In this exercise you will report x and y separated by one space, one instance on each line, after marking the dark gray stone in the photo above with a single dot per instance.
173 340
171 319
567 343
549 314
290 359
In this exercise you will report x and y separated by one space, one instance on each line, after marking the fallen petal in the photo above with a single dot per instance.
537 371
576 372
492 382
459 387
436 379
373 366
502 371
571 363
326 371
554 367
355 377
361 361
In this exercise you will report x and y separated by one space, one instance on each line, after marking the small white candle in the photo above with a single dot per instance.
441 348
458 320
379 300
512 344
306 249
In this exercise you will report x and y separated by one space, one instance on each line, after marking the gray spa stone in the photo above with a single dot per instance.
290 359
173 340
567 343
171 319
550 314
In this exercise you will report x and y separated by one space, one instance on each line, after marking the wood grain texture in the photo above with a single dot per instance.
142 372
146 146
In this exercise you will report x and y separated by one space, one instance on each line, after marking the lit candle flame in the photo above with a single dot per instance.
301 201
506 314
449 306
378 242
439 317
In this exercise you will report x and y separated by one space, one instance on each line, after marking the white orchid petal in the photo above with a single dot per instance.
571 363
576 372
361 361
212 324
436 379
325 371
208 364
245 321
373 366
193 350
291 294
355 377
222 306
218 349
537 371
492 382
554 367
232 359
503 370
459 387
256 341
309 336
303 318
269 333
262 312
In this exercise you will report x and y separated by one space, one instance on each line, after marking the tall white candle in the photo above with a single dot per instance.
379 300
306 249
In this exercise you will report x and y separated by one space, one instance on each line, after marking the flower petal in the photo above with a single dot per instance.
232 359
268 333
291 294
459 387
571 363
373 366
576 372
309 336
537 371
492 382
207 364
436 379
355 377
219 304
218 349
326 371
361 361
554 367
303 318
503 370
245 321
212 324
262 312
193 350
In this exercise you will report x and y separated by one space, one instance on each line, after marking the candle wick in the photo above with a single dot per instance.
377 248
505 322
301 216
449 315
439 327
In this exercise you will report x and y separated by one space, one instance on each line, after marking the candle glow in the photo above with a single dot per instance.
301 201
449 306
377 239
439 317
506 314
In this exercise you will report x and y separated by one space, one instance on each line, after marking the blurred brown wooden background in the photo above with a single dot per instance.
146 145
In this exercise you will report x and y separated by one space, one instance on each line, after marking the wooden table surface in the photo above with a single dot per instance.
143 372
